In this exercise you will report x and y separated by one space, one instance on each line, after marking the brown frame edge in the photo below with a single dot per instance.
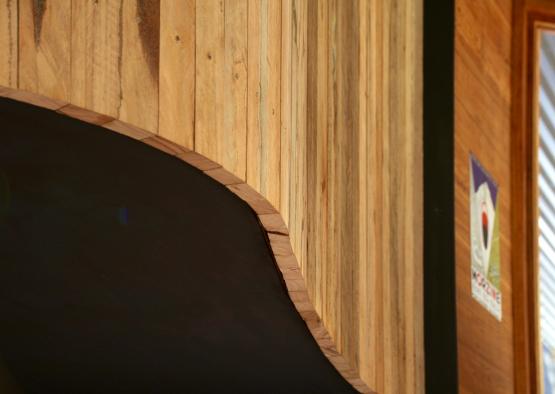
269 218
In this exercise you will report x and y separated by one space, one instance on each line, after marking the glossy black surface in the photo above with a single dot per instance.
122 269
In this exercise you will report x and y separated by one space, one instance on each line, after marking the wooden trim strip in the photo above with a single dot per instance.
270 220
85 115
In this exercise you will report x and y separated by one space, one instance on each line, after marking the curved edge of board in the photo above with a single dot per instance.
269 218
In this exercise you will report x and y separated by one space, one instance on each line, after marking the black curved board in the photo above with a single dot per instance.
123 269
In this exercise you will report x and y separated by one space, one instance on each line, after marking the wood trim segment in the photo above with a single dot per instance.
85 115
271 221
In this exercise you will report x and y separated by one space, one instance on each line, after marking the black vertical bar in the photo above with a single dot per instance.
439 210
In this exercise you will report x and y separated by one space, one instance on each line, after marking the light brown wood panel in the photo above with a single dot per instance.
8 42
114 59
221 83
140 63
296 144
264 80
363 151
482 126
285 107
402 153
308 110
96 51
44 47
177 71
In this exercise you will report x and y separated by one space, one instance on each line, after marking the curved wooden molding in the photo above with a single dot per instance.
270 219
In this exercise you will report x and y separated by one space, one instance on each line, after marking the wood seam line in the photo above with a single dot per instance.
270 219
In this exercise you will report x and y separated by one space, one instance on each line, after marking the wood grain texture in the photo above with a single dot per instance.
44 47
96 55
221 83
139 63
8 42
85 115
114 59
307 110
177 71
364 136
264 94
482 126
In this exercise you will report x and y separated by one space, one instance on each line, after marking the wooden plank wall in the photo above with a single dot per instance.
315 104
483 126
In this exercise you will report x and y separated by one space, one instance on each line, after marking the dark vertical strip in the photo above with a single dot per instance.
148 15
439 209
39 7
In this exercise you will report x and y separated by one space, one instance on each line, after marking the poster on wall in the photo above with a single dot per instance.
484 239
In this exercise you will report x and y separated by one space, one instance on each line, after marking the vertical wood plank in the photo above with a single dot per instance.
286 102
221 83
140 63
332 306
234 133
44 47
210 58
264 67
322 149
372 356
347 174
96 56
313 195
177 71
367 316
8 43
297 143
115 56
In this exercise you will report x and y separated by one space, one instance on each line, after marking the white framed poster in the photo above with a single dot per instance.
484 239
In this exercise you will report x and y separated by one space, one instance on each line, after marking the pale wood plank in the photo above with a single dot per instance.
234 134
209 98
177 71
297 143
220 99
44 48
96 56
285 108
115 56
264 67
140 63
